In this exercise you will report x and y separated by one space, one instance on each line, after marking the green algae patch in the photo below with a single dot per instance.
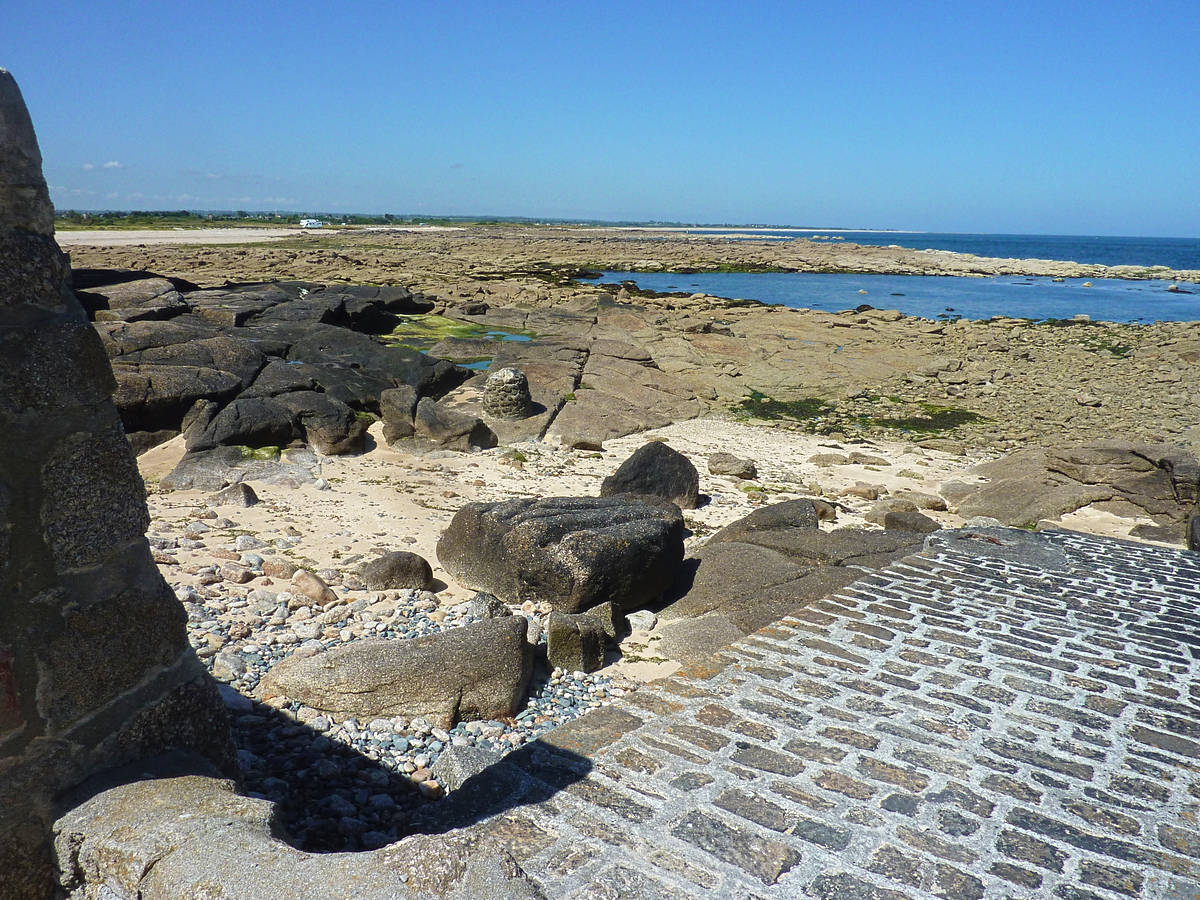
936 419
423 331
759 406
259 453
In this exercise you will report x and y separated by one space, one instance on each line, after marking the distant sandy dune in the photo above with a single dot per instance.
122 238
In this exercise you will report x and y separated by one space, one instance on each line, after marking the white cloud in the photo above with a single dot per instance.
87 167
111 195
112 164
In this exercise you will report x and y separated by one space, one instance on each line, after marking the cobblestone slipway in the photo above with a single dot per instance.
1006 714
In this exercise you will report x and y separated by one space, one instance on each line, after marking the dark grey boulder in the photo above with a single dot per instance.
254 422
735 466
909 520
330 346
327 424
130 301
154 397
281 377
397 406
397 570
478 671
571 552
657 470
224 353
442 426
791 515
126 339
574 642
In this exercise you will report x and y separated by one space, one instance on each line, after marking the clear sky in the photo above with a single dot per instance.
974 115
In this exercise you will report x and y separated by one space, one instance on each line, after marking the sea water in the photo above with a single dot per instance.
1172 252
939 296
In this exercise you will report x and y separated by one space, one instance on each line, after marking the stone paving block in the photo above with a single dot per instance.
763 858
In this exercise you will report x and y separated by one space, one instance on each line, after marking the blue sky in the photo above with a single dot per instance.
1048 117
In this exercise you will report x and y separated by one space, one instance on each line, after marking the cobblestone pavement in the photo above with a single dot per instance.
1006 714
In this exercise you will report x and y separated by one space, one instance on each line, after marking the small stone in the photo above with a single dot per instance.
239 494
487 606
278 568
641 620
314 588
574 641
728 464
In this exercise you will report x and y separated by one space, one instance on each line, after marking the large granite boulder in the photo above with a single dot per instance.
95 666
657 470
571 552
478 671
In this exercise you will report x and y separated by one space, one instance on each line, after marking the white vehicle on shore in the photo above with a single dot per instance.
311 223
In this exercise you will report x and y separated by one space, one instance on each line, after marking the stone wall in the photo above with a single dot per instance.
95 667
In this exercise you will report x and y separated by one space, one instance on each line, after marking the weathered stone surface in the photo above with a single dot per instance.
132 840
655 469
256 422
621 396
478 671
212 470
506 394
397 570
574 642
457 765
236 495
909 520
571 552
153 397
95 668
488 606
786 516
328 425
398 406
444 427
728 464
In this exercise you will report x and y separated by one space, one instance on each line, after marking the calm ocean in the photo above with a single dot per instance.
935 297
1174 253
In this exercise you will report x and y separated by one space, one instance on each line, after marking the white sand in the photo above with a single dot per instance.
132 238
389 500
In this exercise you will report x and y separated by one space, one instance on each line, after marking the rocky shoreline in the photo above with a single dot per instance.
1000 384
